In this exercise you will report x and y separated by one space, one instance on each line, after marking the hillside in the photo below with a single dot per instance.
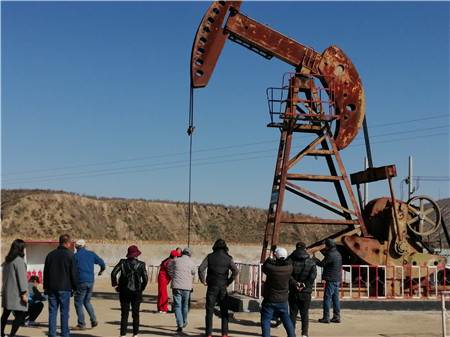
39 214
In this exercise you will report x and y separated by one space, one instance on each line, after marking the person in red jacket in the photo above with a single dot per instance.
163 281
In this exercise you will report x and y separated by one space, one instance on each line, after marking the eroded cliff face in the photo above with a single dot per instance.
40 215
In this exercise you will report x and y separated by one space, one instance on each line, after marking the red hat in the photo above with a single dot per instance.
175 253
133 251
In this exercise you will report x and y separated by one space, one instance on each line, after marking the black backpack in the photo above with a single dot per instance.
132 276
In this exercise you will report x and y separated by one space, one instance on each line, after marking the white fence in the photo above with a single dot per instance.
363 281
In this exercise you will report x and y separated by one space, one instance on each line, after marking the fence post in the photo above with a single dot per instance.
444 313
259 280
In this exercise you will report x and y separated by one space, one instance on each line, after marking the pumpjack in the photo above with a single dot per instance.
324 99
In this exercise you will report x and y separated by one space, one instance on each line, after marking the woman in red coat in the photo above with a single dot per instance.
163 281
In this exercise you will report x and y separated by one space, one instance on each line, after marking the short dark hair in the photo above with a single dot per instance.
64 239
34 278
300 245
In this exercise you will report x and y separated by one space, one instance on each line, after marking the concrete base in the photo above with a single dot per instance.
240 303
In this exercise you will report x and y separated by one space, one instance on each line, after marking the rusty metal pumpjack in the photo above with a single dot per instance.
323 98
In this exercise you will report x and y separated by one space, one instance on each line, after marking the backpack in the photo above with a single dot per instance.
132 277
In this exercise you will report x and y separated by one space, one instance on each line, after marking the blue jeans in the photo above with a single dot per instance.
83 298
268 310
331 295
58 299
181 306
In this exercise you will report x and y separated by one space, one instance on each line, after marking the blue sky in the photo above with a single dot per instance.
95 97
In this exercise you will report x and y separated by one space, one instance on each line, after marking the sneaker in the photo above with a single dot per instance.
33 323
304 336
335 320
324 320
162 312
78 327
179 329
94 324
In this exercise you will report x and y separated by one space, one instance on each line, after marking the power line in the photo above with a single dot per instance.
178 163
160 166
217 149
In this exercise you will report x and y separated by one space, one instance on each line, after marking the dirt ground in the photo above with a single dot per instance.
361 323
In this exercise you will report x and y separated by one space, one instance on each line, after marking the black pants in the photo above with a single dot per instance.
34 310
300 302
16 323
217 295
126 300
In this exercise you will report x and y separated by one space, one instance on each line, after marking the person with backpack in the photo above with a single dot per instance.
132 282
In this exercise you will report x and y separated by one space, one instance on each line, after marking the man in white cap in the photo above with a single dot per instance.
86 260
276 292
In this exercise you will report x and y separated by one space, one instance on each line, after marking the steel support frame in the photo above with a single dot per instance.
348 208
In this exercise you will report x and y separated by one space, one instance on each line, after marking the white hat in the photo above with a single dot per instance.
281 253
80 243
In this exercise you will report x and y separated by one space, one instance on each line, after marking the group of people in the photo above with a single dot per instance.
217 271
65 274
287 288
289 283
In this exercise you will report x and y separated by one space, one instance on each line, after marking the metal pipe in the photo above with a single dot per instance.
367 141
410 178
366 185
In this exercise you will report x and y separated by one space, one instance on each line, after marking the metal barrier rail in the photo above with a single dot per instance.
362 281
248 281
381 282
357 281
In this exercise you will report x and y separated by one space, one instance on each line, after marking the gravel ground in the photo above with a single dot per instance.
362 323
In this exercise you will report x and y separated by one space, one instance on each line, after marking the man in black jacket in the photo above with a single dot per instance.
276 289
60 281
332 265
300 285
218 278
